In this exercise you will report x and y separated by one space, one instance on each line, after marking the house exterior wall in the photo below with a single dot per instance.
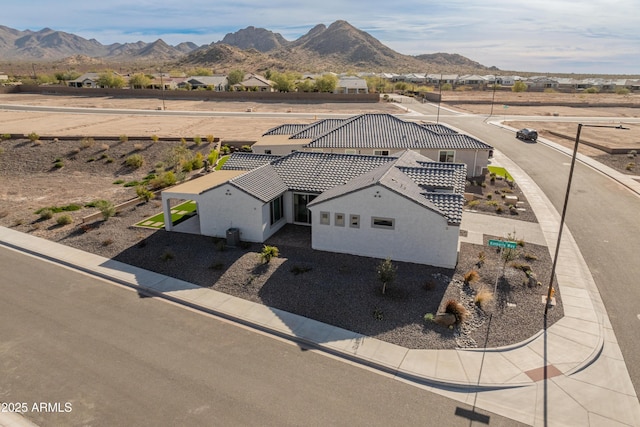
277 149
418 235
225 207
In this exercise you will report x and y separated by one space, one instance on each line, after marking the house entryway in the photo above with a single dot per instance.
302 215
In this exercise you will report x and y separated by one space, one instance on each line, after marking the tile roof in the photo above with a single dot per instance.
248 161
286 129
318 128
264 183
371 131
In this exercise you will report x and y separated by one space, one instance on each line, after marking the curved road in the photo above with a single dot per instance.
603 217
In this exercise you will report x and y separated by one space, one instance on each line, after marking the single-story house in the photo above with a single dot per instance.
351 84
405 207
378 134
85 80
255 82
218 83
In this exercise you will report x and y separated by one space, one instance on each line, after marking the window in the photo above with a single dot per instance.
324 218
267 151
388 223
380 152
447 156
277 211
339 220
350 151
354 221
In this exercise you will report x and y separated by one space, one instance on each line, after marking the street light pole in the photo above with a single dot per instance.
564 211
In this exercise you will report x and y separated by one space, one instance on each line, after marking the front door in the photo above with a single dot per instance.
300 212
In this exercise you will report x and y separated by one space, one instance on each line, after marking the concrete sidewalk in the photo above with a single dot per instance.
578 355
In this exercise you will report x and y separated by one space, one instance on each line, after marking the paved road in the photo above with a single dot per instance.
603 216
120 359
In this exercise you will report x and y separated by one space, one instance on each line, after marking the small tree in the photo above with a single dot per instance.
268 252
139 81
235 76
519 86
386 273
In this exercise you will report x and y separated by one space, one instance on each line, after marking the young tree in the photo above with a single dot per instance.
386 273
110 79
234 77
139 81
326 83
519 86
284 82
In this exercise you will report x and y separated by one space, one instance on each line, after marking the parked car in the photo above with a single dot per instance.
527 134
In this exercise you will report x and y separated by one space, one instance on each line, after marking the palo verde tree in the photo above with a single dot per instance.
284 82
139 81
326 83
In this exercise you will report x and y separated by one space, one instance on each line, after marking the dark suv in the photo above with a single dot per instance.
527 135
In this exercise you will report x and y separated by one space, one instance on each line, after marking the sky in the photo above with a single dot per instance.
542 36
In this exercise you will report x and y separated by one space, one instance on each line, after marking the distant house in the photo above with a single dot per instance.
440 79
405 207
3 76
472 80
378 134
351 84
256 83
218 83
85 80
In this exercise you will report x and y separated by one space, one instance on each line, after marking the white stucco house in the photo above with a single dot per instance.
405 206
378 134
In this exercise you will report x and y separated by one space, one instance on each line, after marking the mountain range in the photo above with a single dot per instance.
338 47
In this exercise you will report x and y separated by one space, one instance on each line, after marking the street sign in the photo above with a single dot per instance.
503 244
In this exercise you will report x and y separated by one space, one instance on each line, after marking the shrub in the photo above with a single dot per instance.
33 137
210 139
225 149
107 242
213 157
64 219
165 179
167 255
106 208
268 252
46 214
104 147
482 258
118 181
489 196
186 165
183 142
143 193
246 148
473 203
457 309
134 161
530 257
630 166
483 298
109 159
137 147
155 138
5 136
198 161
622 91
428 317
471 276
592 89
87 142
59 164
491 203
123 138
197 140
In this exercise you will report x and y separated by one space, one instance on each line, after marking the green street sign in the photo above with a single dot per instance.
503 244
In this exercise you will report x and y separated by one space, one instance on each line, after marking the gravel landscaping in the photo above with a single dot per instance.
341 290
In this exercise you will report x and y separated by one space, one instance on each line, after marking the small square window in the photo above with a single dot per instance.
350 151
324 218
354 221
267 151
339 220
380 152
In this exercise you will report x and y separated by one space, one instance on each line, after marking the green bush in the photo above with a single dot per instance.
163 180
6 136
592 89
134 161
33 137
59 164
197 140
210 139
143 193
622 91
154 138
213 157
124 138
198 161
106 208
46 214
64 219
268 252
